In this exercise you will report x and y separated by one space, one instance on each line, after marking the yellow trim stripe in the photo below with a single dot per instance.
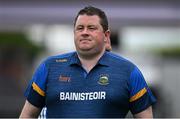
37 89
138 95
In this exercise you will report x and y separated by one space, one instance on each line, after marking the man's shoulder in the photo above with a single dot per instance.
60 58
64 55
117 59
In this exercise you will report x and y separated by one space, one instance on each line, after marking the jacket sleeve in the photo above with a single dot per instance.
140 95
36 90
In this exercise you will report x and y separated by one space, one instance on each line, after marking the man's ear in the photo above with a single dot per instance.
107 36
107 40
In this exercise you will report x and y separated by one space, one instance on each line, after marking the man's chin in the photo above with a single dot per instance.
85 49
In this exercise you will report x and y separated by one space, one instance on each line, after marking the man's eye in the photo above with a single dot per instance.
79 28
92 28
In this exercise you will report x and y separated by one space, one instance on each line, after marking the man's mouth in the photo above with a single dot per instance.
85 40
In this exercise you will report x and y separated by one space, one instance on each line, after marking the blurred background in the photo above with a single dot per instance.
147 32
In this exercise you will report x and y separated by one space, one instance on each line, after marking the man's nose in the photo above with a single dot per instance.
85 31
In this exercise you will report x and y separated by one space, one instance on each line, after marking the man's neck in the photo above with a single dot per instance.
89 63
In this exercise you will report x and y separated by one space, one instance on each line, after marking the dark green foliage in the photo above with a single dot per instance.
17 42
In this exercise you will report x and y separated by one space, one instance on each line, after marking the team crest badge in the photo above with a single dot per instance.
103 80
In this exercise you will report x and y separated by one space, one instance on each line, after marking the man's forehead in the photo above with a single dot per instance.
94 19
88 18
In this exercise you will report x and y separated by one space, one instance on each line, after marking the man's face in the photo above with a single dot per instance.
89 37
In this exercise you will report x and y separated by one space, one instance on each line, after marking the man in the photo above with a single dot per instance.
90 82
